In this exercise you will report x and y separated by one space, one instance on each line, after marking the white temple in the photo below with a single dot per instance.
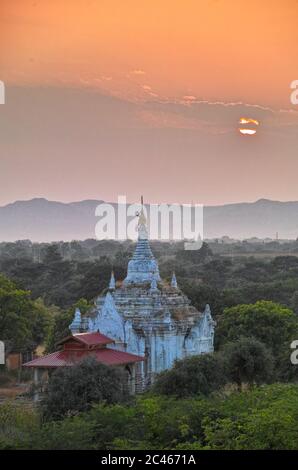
149 317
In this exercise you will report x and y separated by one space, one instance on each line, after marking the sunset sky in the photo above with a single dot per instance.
109 97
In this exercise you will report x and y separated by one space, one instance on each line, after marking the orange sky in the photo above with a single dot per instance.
216 50
108 97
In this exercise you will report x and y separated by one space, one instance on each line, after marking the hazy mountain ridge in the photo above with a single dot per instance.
42 220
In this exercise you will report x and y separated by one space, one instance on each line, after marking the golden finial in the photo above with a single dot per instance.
141 215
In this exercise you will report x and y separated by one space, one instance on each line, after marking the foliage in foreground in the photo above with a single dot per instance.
75 389
17 425
244 362
265 417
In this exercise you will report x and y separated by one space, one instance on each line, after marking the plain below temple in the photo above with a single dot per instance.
148 317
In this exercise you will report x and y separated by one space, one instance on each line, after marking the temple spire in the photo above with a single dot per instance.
153 285
142 223
75 326
174 281
112 284
143 267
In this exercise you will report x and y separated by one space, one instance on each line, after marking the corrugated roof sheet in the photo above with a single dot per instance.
90 339
107 356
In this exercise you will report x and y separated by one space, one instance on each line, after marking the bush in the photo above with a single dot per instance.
247 360
75 389
68 434
192 376
17 424
270 323
265 417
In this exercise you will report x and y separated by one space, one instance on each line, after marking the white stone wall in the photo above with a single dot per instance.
163 340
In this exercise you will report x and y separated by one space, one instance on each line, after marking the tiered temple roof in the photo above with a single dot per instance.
77 347
142 268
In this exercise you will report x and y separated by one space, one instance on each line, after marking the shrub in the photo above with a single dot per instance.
247 360
192 376
75 389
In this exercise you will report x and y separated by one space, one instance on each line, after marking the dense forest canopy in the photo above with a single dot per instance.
63 273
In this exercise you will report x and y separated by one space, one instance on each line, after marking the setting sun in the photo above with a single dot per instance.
247 131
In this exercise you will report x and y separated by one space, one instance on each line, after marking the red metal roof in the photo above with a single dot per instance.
89 339
107 356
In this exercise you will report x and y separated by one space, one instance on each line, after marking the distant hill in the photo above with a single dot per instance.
43 220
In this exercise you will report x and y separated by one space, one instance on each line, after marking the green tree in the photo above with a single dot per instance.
265 418
52 255
294 302
248 361
68 434
23 323
75 389
272 324
18 424
60 324
192 376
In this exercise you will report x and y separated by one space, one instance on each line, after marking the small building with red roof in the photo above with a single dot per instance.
75 348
